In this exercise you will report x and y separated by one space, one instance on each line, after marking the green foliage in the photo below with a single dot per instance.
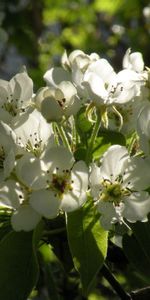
108 6
136 248
105 140
48 257
18 261
5 226
88 243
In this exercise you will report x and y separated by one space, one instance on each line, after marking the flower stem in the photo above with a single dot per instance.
75 137
55 133
93 138
133 141
114 283
54 231
63 136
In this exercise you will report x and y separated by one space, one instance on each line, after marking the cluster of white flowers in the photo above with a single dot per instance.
39 175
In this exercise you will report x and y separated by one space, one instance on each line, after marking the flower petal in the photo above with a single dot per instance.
45 203
22 87
113 162
25 218
74 199
51 110
108 214
9 194
137 207
58 157
103 69
29 171
54 76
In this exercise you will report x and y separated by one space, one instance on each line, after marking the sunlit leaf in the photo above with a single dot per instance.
107 6
88 243
105 140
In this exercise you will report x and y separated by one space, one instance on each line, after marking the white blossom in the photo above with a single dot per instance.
66 183
56 182
133 61
105 87
79 58
118 187
15 198
15 95
33 133
59 101
74 66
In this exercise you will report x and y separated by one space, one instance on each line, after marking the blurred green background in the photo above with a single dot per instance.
35 33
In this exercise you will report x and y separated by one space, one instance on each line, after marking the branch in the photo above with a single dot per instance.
114 283
141 294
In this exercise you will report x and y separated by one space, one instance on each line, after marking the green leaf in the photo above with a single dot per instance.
137 247
88 243
108 6
80 153
5 225
105 140
18 265
82 123
48 259
83 126
4 230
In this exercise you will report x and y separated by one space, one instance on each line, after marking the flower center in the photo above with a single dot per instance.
12 106
113 192
62 102
60 183
34 144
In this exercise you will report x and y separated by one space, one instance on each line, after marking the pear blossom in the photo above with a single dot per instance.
77 62
15 95
15 193
56 181
33 133
66 183
118 187
133 61
73 69
15 199
106 87
57 102
78 57
97 79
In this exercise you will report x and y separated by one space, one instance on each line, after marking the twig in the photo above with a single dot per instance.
114 283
